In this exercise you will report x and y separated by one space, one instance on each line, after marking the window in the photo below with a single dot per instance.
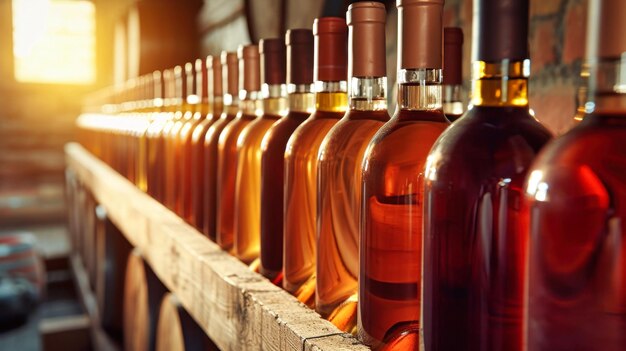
54 41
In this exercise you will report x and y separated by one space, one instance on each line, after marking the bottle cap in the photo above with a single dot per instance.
452 56
201 78
273 61
500 30
420 31
331 49
230 73
214 77
299 56
366 26
249 68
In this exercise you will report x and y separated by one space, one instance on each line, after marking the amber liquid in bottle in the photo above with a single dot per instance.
474 251
210 155
391 224
197 163
247 207
300 198
576 209
301 104
230 88
195 115
209 80
227 171
339 208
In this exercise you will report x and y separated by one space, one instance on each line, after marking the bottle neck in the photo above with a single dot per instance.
607 86
301 98
331 96
368 94
250 102
274 99
419 89
231 104
452 100
500 84
216 105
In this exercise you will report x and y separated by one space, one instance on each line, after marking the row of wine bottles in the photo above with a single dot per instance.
408 231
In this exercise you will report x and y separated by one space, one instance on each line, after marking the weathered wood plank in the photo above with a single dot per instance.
237 308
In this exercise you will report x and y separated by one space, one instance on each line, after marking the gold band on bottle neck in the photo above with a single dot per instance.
503 83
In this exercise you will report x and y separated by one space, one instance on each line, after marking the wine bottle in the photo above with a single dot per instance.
300 198
339 166
249 109
193 117
301 102
474 251
575 209
247 207
211 91
230 88
393 175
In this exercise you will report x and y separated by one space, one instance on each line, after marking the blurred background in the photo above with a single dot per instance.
53 53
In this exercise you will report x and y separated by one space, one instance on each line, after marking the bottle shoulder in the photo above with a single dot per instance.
596 148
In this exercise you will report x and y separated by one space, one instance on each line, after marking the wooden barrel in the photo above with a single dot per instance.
112 250
142 295
178 331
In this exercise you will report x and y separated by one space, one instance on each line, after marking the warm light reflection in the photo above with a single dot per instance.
54 41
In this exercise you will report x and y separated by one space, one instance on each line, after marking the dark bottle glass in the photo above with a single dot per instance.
576 207
393 174
339 167
301 102
211 91
247 207
300 197
249 109
230 83
474 251
453 105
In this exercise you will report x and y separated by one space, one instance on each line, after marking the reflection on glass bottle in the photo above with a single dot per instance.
473 276
246 238
211 90
301 100
576 209
230 83
339 167
300 198
393 175
249 109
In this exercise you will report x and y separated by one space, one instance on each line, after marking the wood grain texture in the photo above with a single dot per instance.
237 308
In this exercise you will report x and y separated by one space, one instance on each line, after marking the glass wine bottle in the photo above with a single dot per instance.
339 166
249 109
576 209
393 174
453 105
301 102
172 144
211 90
230 88
474 252
193 117
300 198
247 206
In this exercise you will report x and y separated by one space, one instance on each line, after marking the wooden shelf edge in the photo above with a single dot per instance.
237 308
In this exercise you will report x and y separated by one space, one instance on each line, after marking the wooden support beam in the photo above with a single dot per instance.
237 308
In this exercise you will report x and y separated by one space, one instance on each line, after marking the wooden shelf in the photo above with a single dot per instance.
237 308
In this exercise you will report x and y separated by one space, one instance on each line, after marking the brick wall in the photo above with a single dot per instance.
557 45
